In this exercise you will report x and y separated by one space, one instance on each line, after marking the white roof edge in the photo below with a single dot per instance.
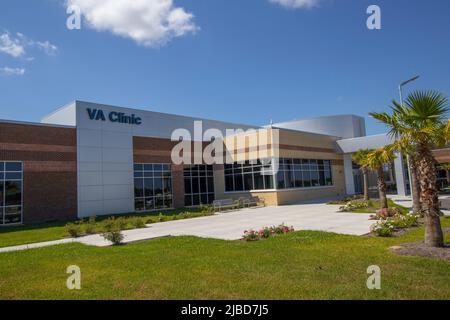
321 117
172 114
67 105
365 137
306 132
36 124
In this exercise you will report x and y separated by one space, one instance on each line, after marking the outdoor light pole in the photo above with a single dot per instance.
400 89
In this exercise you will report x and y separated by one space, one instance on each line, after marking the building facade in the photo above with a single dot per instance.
88 159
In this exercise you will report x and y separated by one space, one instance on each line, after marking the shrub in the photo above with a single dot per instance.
121 223
346 200
251 235
385 213
115 236
90 226
383 228
109 224
281 229
354 205
73 229
206 209
401 221
138 222
264 233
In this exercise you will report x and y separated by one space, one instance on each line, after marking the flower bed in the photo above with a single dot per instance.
266 232
390 220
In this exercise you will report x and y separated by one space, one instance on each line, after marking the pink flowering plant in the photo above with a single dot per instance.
385 213
267 232
251 235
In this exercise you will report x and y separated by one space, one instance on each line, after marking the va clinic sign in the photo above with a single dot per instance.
113 116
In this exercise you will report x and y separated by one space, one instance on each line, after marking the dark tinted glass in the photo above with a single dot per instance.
13 166
138 188
13 193
148 187
13 176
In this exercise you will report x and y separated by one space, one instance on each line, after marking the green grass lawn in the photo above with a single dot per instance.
301 265
18 235
375 205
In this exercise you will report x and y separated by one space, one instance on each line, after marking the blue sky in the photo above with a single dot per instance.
240 61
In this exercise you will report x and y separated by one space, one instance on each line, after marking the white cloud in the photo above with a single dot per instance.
296 4
7 71
49 49
150 23
11 46
17 45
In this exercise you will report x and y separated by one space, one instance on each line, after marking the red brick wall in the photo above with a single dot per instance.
156 150
49 159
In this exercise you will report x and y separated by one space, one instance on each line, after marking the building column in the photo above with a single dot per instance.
400 176
348 173
178 186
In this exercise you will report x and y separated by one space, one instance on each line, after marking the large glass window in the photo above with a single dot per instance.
250 175
198 185
292 173
152 186
11 192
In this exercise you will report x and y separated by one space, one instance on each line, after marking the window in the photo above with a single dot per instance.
304 173
11 192
198 185
292 174
152 186
250 175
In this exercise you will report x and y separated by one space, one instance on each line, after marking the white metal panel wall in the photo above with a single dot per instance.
105 155
344 126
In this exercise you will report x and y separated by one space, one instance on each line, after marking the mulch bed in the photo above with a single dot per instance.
419 249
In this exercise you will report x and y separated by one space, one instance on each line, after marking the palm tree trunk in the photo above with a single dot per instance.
433 231
382 188
415 187
366 184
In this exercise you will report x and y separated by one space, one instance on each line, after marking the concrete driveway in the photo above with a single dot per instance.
231 225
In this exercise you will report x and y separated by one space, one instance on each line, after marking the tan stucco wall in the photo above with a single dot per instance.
292 144
287 196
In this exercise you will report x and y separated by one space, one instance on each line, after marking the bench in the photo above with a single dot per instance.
225 204
252 201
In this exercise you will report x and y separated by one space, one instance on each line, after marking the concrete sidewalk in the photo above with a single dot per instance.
231 225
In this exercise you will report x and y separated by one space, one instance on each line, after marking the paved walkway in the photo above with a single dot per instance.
231 225
407 202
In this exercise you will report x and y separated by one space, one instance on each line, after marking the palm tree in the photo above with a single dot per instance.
376 161
424 122
406 146
360 158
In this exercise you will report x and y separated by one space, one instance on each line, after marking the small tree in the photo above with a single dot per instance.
406 145
425 121
360 158
375 161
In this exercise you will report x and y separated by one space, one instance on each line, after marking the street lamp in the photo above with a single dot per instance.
400 89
